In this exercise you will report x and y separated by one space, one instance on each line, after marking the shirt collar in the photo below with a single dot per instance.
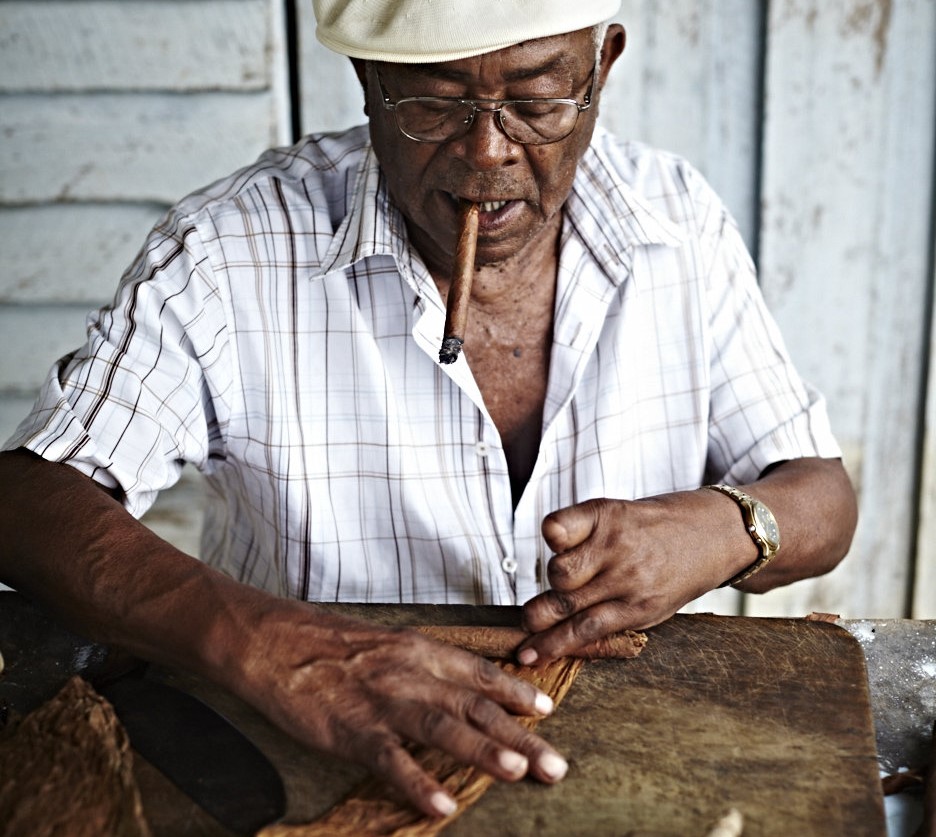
374 226
609 217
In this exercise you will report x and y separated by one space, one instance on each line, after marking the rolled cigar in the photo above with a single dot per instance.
502 643
456 308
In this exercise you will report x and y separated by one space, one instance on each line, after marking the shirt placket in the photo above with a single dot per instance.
488 498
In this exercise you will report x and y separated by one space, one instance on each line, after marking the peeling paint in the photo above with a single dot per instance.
874 18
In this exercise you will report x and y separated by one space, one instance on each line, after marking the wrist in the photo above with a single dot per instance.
761 527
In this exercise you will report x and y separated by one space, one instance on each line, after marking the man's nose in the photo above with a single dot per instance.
485 145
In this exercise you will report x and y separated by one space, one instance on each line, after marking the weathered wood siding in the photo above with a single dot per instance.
814 120
110 111
845 260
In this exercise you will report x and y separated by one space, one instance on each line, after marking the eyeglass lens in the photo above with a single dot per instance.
528 122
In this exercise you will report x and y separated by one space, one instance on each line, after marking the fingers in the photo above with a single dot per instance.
389 760
515 695
555 606
572 533
471 728
569 635
488 735
571 526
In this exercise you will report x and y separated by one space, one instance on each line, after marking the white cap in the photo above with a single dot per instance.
430 31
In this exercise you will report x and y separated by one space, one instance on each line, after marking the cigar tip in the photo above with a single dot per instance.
451 349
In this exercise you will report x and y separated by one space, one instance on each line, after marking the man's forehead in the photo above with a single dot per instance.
438 31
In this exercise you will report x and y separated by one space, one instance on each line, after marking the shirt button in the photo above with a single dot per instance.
509 565
482 449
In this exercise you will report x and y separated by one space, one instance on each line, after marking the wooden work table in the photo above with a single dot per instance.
769 716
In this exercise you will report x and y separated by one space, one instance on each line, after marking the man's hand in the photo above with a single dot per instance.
367 691
633 564
354 690
619 564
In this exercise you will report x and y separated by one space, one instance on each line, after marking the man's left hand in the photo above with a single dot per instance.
622 564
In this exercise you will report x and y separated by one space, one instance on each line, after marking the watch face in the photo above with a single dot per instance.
766 524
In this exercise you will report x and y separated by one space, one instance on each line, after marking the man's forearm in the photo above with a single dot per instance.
70 546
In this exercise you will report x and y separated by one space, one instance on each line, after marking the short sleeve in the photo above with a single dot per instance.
141 398
762 411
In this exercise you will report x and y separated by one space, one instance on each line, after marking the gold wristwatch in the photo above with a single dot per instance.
761 526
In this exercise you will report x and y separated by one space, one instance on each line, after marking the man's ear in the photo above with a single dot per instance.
612 48
360 70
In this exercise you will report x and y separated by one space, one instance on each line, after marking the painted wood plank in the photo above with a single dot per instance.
330 96
689 82
32 338
56 45
924 589
147 147
70 253
847 186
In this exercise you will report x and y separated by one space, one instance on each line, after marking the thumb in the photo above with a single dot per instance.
567 528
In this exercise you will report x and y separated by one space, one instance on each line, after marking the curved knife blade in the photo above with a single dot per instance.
200 751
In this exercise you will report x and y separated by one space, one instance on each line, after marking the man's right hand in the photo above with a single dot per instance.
363 692
340 686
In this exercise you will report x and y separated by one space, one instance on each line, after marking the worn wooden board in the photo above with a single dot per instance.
847 189
110 146
65 253
134 45
770 716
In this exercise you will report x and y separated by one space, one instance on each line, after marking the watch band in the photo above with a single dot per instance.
766 551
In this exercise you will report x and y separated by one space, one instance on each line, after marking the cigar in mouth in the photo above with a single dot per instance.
456 308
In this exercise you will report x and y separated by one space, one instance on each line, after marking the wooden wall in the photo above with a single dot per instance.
109 112
814 120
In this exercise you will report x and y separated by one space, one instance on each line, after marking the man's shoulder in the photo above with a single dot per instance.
637 177
647 170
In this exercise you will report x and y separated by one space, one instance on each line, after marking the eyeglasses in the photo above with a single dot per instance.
526 121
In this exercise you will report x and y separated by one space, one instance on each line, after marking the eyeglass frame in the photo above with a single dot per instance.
500 103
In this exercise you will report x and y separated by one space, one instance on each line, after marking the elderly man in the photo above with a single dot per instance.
281 331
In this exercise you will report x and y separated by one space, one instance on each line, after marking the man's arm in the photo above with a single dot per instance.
632 564
340 686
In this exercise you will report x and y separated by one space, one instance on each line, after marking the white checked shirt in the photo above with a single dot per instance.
277 332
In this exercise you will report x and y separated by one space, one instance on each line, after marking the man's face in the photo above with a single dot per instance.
525 186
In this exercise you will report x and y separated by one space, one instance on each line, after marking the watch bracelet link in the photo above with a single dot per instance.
763 559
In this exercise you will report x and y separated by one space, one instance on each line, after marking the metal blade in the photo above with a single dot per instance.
200 751
195 747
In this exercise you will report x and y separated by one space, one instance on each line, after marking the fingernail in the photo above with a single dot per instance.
555 767
443 803
527 656
543 704
513 762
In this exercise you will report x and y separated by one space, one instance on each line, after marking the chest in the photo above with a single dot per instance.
508 351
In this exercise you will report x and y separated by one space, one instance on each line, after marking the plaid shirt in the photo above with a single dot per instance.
277 331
